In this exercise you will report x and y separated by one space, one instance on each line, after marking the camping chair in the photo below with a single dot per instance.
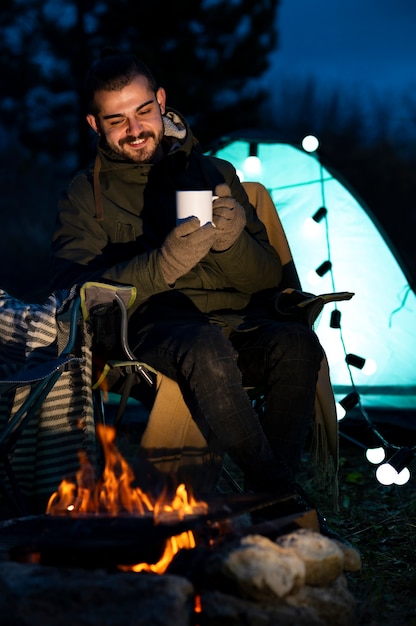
172 439
105 309
42 373
179 446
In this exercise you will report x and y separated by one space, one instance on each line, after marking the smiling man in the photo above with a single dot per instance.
205 313
132 131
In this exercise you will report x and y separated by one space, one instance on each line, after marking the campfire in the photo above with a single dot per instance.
211 567
115 494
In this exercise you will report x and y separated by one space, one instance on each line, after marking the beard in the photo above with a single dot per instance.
122 150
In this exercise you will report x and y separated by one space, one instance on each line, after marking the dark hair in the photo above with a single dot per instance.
113 71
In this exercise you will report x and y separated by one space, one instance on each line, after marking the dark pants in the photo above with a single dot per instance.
212 371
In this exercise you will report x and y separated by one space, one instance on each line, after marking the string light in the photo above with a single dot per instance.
355 361
312 225
375 455
323 268
347 404
370 366
252 164
320 214
376 452
335 321
316 225
395 471
310 143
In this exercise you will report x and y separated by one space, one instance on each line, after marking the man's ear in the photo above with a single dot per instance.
161 98
93 123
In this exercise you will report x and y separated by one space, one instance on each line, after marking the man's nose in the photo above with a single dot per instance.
134 126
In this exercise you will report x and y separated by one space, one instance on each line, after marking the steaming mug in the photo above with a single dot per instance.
194 203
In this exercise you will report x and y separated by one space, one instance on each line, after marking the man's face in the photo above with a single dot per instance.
131 120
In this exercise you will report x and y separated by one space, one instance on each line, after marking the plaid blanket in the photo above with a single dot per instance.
48 447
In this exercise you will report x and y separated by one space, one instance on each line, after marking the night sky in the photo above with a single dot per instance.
364 46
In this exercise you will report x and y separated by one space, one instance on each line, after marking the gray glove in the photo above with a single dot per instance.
229 218
184 247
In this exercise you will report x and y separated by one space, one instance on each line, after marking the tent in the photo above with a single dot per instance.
331 231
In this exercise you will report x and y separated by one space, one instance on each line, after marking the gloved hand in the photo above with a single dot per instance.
229 218
184 247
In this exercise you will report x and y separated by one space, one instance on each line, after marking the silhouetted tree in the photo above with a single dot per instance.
207 54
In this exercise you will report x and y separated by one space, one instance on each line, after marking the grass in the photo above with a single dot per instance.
381 522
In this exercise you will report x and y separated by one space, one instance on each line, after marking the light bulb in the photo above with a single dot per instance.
370 367
311 228
310 143
252 166
386 474
341 412
375 455
313 278
402 477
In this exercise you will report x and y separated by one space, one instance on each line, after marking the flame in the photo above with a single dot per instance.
114 494
198 604
185 540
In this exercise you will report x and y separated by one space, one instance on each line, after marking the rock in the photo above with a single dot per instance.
295 580
352 557
257 568
323 558
37 595
220 608
334 604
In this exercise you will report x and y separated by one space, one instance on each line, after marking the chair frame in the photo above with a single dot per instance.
41 378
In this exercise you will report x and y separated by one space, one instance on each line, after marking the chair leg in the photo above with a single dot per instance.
235 486
130 379
30 406
11 434
99 413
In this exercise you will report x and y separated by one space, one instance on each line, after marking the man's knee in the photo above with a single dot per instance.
210 350
302 341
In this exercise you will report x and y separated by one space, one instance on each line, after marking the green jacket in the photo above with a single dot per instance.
138 211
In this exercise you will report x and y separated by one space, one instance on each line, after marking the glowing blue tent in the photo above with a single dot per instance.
378 324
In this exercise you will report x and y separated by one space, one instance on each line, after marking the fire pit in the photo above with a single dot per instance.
233 565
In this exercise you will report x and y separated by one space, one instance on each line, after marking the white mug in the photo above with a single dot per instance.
194 203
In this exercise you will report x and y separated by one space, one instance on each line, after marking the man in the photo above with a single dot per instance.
204 314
